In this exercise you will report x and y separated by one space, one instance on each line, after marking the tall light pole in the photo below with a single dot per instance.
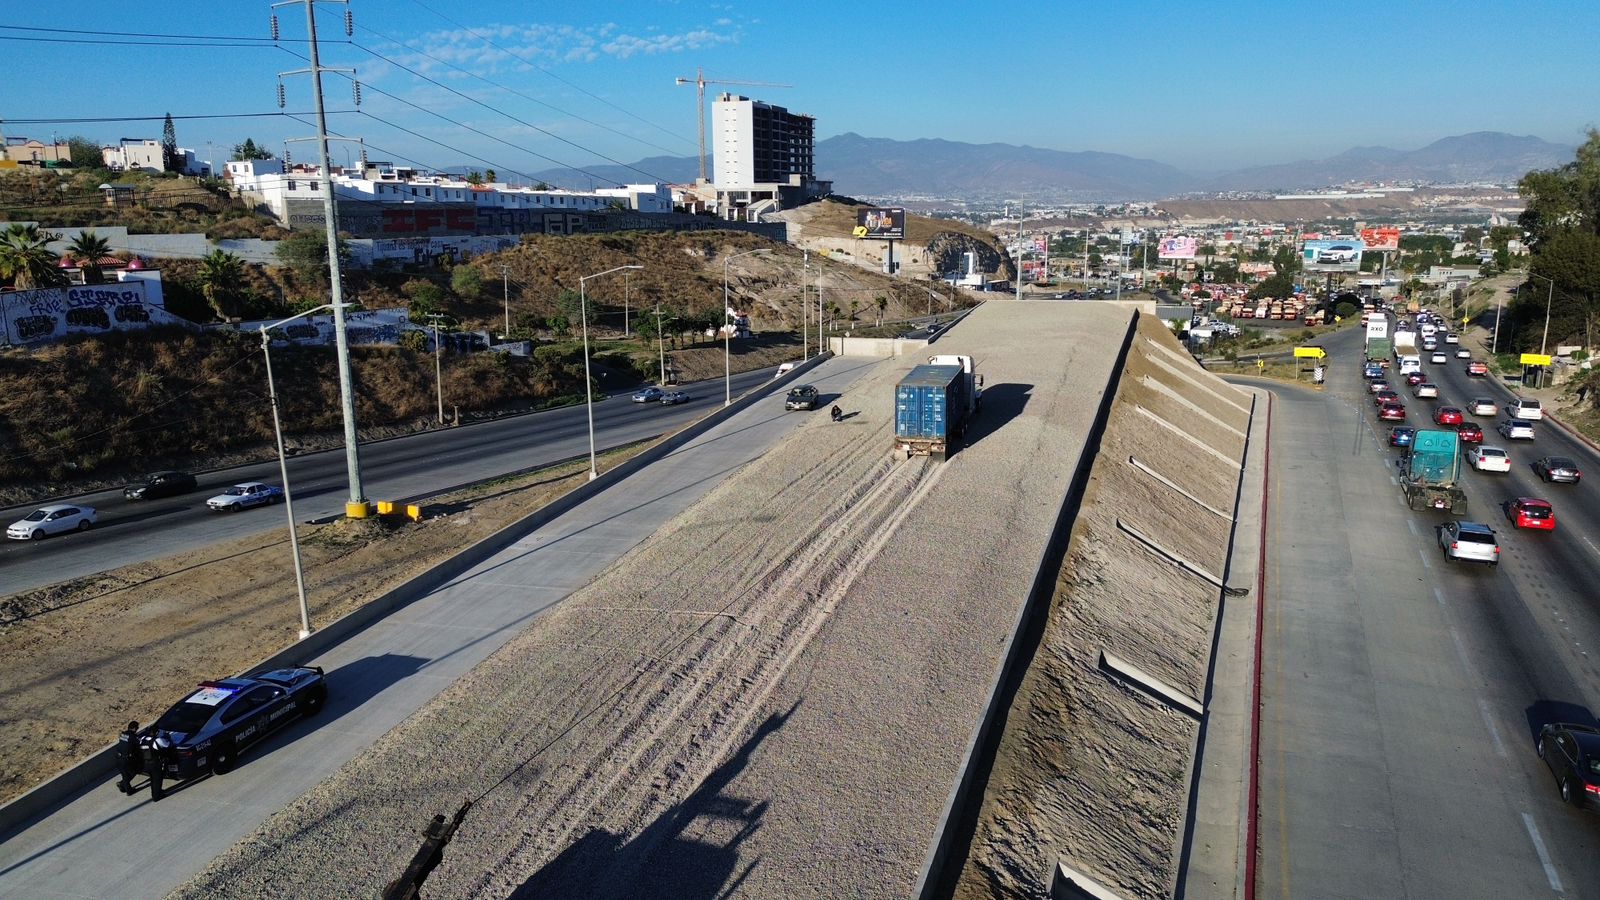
283 471
438 364
627 287
727 345
805 304
588 388
356 506
505 293
661 347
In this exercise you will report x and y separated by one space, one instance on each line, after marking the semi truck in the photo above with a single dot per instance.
1431 472
933 405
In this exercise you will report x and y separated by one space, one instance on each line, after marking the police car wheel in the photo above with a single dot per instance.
223 759
313 701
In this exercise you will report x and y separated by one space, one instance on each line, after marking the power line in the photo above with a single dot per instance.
49 40
202 37
535 65
444 62
82 120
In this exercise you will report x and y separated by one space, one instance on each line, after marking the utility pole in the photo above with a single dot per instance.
661 348
627 286
805 304
356 507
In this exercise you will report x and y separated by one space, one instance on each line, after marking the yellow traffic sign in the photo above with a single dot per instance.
1535 359
1464 320
1261 365
1338 319
1310 353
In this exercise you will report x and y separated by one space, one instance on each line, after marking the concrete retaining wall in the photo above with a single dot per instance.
99 765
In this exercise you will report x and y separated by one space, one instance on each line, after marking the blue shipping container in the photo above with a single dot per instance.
930 405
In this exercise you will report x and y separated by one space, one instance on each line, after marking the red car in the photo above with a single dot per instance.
1415 378
1447 415
1469 433
1477 368
1384 397
1392 412
1531 512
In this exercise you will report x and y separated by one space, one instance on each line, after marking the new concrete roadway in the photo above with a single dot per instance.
1402 693
103 844
391 469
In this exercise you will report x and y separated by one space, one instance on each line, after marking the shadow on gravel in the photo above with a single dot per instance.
1548 712
661 861
1001 404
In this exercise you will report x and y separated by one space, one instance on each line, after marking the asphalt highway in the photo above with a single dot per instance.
1402 694
131 532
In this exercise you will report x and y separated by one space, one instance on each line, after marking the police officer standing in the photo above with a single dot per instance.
160 750
129 755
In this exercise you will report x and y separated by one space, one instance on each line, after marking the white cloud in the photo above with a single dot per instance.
519 45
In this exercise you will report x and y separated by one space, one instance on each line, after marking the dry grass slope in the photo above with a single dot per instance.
1089 770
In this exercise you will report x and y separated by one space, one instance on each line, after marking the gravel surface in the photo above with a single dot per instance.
769 698
1090 771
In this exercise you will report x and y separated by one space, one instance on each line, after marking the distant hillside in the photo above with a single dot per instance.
886 169
1480 156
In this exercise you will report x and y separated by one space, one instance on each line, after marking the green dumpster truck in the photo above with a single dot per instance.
1431 474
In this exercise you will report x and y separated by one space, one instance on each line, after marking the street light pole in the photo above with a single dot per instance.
505 293
727 345
1549 298
805 305
661 347
438 365
588 387
283 471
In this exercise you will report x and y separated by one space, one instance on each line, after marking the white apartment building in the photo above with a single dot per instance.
397 195
765 157
143 153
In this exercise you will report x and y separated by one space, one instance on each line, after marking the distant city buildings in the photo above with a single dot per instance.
30 152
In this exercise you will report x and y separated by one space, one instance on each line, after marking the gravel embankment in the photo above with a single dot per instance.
1090 771
769 698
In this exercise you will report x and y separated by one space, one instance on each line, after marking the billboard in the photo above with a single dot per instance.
1041 245
1381 238
881 223
1177 248
1341 255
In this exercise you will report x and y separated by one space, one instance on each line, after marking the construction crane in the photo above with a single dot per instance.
700 81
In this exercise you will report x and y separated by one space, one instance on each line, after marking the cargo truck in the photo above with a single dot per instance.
933 405
1431 473
1378 350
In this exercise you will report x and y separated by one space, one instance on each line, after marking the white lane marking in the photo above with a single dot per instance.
1393 480
1412 524
1494 733
1591 545
1544 855
1424 557
1438 595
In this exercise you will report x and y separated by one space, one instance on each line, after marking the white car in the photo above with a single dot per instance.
1427 389
1483 406
244 496
1525 409
1452 338
1463 353
1430 344
54 519
1438 358
1517 429
1489 459
1469 542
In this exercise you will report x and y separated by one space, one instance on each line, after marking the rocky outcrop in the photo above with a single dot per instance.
945 249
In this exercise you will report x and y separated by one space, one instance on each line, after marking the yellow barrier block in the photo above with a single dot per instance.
414 512
386 507
357 510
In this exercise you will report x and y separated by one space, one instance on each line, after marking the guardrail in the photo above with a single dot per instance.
96 767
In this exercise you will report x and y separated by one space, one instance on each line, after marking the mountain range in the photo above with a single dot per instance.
883 168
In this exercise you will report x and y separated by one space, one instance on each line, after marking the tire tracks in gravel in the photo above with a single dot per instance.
726 666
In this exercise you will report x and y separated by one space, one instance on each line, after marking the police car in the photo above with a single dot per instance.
206 731
244 496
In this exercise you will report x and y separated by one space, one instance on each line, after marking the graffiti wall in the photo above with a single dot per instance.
50 314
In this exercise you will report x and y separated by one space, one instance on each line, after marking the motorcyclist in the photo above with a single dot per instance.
836 412
129 756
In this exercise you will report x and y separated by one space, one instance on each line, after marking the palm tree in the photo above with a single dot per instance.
883 304
220 274
26 261
87 248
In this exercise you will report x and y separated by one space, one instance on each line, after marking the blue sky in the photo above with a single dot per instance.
1246 83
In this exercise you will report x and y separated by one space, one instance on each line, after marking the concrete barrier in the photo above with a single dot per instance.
98 766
